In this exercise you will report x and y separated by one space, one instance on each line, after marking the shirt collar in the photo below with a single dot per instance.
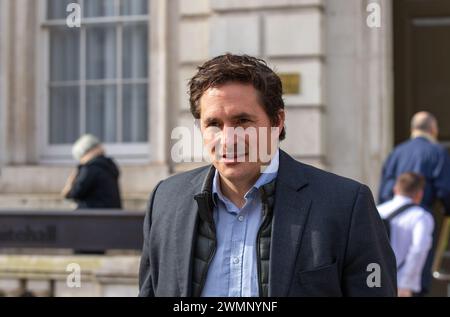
418 134
268 174
400 199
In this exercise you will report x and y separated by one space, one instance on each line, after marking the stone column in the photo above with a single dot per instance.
3 67
358 89
19 46
379 98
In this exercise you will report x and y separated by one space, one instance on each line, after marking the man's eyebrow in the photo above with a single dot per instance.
210 120
242 115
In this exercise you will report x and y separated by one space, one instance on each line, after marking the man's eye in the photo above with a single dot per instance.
212 124
243 121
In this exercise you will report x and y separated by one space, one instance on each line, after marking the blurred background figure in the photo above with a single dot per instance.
423 155
411 231
95 182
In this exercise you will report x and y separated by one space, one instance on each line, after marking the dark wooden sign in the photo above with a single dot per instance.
80 230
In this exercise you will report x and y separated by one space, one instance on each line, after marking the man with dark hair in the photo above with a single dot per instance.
411 231
258 225
422 155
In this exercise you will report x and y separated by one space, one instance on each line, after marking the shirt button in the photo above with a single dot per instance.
241 218
236 260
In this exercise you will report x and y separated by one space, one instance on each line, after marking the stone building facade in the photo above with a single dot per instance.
339 114
123 74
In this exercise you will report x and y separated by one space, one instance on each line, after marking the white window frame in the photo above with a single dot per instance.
148 152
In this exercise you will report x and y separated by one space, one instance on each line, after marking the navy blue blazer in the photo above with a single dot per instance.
327 236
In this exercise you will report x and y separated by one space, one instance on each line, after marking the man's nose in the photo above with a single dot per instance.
228 137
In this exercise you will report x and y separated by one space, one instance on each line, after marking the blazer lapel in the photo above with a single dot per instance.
186 219
292 205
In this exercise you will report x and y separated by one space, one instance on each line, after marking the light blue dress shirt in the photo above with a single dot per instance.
233 270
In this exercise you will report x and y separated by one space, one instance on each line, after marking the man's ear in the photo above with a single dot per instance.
395 190
419 196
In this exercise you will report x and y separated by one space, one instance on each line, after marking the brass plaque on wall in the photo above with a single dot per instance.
291 83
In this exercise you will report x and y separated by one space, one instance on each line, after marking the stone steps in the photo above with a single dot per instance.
55 202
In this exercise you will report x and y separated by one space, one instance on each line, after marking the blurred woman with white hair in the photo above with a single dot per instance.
95 182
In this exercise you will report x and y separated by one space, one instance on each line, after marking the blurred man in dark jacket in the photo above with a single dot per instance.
422 155
95 182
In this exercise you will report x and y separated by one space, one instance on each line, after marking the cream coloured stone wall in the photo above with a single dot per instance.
340 120
287 34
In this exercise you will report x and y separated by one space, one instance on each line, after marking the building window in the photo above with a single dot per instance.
98 73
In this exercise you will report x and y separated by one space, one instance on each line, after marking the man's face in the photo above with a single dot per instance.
222 110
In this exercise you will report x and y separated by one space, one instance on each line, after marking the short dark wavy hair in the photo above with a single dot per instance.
410 183
243 69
